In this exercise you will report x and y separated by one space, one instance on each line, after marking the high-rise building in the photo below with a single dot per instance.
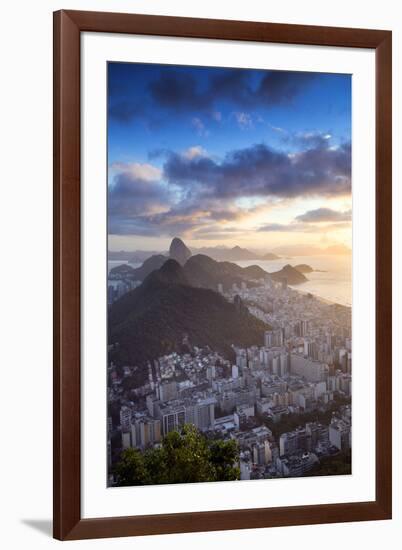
150 431
312 371
167 391
145 432
343 359
298 465
244 470
339 434
125 440
316 433
152 403
172 417
125 418
319 389
284 364
241 358
276 362
201 412
349 363
293 442
345 383
211 372
262 453
268 339
274 338
310 348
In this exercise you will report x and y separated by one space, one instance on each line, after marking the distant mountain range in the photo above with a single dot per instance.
203 271
153 319
235 254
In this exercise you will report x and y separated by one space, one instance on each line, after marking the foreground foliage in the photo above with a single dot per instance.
340 464
184 457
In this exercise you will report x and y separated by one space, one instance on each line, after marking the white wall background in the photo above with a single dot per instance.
26 269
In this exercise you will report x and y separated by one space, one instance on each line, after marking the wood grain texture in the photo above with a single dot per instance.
68 26
225 29
66 425
384 273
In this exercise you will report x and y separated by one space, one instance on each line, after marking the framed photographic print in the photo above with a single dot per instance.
222 232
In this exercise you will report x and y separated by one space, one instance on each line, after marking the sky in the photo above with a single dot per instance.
225 157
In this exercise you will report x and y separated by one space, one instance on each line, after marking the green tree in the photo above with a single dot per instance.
340 464
131 468
224 456
185 456
156 467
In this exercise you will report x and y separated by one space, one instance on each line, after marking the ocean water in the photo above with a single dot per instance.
333 283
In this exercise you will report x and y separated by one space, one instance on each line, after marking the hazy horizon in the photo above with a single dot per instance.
261 250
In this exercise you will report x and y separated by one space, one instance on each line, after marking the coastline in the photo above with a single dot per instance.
320 298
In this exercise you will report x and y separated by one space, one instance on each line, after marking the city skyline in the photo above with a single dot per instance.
224 157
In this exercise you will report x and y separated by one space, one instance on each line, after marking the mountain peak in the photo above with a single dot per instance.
288 272
171 273
178 251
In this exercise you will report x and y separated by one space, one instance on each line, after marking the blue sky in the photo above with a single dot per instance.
227 156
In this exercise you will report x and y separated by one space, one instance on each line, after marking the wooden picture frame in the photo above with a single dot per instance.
68 26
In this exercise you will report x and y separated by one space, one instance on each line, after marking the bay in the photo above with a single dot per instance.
333 282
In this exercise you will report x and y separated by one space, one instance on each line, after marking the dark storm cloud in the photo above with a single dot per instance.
196 191
134 197
262 171
280 87
324 215
231 85
187 91
178 90
127 111
192 214
124 111
131 195
140 203
175 89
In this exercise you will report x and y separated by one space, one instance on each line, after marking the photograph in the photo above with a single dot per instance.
229 276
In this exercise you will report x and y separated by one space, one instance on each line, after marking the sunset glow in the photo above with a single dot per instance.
223 157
